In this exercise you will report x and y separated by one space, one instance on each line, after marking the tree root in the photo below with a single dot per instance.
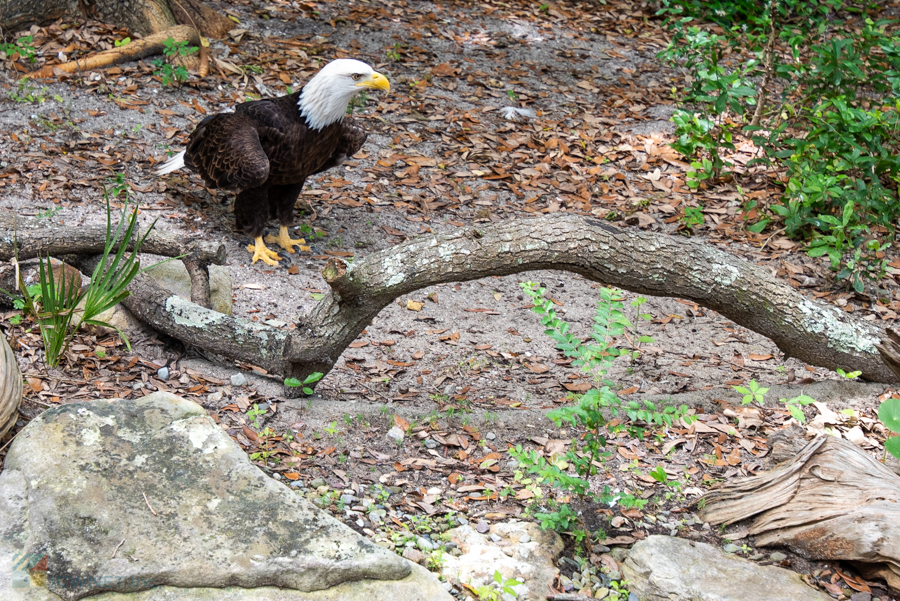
150 45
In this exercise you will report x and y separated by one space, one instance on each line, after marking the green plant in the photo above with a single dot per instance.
852 375
254 414
753 392
498 588
693 217
25 92
62 307
122 42
836 133
794 406
173 51
568 473
21 48
331 428
394 55
889 414
305 385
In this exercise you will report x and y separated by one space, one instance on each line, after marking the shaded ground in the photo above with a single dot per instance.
473 362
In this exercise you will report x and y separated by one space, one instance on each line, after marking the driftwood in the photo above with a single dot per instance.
10 387
641 262
830 502
148 46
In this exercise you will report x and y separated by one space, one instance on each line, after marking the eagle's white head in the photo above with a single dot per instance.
325 97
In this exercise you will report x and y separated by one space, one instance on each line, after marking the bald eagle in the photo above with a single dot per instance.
266 149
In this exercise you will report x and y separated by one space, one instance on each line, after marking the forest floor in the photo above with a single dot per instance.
469 374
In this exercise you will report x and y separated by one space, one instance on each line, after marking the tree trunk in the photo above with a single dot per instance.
645 263
139 16
832 501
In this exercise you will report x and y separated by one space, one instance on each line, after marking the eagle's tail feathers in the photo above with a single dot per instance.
173 163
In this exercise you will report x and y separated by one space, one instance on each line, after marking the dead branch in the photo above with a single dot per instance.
90 240
645 263
830 502
150 45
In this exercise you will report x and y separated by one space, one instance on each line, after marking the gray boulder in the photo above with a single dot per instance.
666 568
121 496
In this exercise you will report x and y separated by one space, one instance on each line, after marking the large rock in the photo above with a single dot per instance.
521 551
173 276
666 568
125 495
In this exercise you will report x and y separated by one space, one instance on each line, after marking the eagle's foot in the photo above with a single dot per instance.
285 241
259 250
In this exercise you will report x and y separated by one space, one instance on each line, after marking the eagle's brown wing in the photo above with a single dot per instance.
225 150
353 136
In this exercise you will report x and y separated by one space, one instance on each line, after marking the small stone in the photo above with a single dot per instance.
447 586
297 484
490 436
137 385
496 537
525 539
863 596
586 591
395 434
424 545
414 555
317 482
565 582
512 464
601 593
215 397
777 556
163 373
482 527
348 499
238 380
731 548
430 444
757 557
462 521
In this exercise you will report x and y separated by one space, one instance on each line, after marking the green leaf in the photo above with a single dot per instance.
889 414
892 446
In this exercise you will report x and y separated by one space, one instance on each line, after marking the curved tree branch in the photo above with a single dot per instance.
653 264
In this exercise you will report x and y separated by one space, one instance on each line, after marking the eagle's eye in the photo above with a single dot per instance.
356 76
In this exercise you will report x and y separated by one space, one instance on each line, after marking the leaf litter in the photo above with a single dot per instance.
462 369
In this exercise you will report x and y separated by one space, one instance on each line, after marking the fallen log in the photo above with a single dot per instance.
832 501
642 262
645 263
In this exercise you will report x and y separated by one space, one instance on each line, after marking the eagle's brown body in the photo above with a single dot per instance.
265 150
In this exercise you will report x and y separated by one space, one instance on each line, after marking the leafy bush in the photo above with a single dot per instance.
834 130
21 48
586 453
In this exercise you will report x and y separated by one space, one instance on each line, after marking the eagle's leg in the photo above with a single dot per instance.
250 213
281 200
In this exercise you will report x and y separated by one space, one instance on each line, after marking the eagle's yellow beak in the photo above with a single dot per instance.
378 81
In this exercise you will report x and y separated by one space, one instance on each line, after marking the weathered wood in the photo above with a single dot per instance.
831 502
10 387
646 263
890 350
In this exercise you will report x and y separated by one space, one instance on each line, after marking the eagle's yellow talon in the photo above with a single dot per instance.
259 250
285 241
